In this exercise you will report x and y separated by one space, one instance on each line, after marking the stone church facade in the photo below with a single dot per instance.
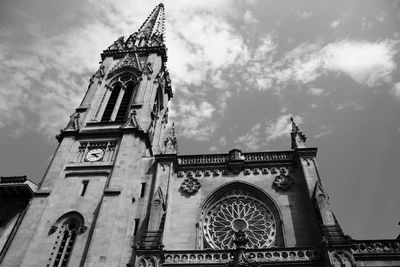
117 193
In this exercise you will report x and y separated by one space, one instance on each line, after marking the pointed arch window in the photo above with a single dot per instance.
67 228
123 89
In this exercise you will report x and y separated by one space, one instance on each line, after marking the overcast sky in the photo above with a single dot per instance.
239 70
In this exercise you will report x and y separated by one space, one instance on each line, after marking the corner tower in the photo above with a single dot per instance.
89 206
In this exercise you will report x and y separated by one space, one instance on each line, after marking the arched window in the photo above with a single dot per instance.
111 103
67 228
123 89
235 207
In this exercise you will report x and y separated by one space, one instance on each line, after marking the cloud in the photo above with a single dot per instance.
281 127
222 141
194 121
349 104
304 15
315 91
368 63
251 140
334 24
365 62
249 18
396 89
324 130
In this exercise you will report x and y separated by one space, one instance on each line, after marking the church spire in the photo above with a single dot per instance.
154 26
150 34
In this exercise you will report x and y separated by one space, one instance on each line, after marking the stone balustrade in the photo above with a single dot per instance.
222 257
365 247
224 158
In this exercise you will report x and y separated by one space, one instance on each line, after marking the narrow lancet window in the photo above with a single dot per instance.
111 103
124 106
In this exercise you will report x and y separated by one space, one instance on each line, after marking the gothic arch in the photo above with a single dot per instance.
123 87
67 228
239 206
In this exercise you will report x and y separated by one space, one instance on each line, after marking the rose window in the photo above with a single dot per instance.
239 212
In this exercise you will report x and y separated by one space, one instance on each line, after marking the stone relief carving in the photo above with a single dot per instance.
190 185
283 182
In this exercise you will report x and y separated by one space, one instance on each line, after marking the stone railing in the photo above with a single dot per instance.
267 156
12 179
376 247
278 255
190 257
224 158
222 257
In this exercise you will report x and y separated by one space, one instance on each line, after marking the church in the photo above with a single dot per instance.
118 193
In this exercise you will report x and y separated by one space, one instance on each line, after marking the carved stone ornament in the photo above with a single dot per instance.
190 185
73 124
82 229
53 228
283 182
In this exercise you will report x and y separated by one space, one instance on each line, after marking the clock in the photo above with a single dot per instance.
95 154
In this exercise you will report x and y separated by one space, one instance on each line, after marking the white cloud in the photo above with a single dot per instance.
323 130
194 121
313 105
365 62
281 127
249 18
368 63
304 15
315 91
396 89
222 141
251 140
365 24
349 104
334 24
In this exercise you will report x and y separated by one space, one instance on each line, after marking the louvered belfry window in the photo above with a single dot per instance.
122 95
111 103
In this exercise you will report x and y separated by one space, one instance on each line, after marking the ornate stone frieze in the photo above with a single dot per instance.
190 185
260 157
373 247
283 182
279 256
193 172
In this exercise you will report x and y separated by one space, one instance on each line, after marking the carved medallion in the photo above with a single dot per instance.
283 182
190 185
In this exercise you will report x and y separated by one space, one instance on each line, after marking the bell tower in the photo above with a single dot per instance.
89 207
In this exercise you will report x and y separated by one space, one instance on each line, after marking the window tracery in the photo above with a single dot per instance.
239 210
69 227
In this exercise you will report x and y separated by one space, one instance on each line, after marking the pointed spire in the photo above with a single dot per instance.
298 137
154 26
150 34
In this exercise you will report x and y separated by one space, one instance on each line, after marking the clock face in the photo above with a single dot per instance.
95 154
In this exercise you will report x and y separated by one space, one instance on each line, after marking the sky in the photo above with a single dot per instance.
239 70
